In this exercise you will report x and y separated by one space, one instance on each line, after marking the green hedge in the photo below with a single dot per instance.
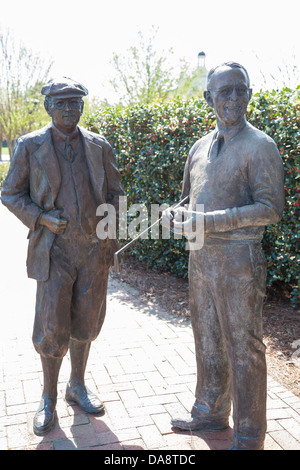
152 143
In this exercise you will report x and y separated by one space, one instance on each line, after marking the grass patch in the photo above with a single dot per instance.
3 171
4 151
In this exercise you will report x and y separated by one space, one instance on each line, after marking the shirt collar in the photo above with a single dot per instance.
60 136
228 134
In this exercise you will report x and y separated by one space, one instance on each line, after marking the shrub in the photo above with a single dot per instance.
152 143
278 114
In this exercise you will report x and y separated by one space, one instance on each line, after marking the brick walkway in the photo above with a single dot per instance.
142 365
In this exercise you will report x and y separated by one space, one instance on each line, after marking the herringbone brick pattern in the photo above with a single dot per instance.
142 366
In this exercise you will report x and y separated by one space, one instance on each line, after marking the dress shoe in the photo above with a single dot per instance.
44 418
85 399
191 422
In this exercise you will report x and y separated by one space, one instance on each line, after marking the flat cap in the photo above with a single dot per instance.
64 87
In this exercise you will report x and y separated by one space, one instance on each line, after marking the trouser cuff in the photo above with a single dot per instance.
248 442
202 412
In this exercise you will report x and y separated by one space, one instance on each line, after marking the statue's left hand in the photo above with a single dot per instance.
187 222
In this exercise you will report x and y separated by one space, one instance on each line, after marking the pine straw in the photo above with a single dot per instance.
281 321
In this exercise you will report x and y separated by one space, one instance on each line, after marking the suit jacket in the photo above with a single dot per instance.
33 182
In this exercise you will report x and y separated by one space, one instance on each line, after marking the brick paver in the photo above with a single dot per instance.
142 366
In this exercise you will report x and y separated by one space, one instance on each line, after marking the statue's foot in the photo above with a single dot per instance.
84 398
44 418
192 423
234 447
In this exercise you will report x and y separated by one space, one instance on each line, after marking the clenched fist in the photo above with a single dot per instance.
54 222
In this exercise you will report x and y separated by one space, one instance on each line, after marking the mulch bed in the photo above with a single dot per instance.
281 320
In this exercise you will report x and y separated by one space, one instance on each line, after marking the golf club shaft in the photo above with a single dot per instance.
149 228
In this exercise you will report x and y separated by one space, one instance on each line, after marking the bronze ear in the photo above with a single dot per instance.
46 106
207 97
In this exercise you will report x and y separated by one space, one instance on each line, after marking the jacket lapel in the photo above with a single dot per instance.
94 156
46 156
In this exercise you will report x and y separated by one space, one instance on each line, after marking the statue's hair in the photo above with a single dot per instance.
233 65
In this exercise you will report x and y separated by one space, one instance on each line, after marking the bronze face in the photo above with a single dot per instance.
229 94
65 112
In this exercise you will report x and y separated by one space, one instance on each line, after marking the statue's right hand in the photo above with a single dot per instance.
55 224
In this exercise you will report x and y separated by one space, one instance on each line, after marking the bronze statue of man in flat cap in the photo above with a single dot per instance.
236 173
57 178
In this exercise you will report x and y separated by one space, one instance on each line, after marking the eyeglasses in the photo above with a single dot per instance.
73 103
227 91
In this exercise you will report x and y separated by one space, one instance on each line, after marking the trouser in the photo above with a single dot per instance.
71 304
227 288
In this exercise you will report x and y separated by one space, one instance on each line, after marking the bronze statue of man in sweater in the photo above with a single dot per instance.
57 178
236 173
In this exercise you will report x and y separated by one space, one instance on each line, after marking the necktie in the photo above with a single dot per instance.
69 152
216 147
